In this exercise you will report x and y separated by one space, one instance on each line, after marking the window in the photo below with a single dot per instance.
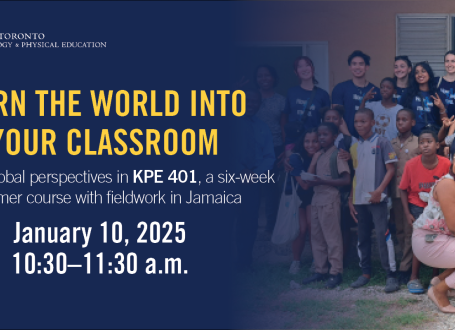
424 37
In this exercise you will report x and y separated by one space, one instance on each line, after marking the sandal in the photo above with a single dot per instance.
446 309
415 286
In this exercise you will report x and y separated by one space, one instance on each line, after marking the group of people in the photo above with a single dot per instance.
370 156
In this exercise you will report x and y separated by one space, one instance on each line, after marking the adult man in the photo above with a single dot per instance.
350 93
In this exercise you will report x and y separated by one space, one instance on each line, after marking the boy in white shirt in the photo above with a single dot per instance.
385 111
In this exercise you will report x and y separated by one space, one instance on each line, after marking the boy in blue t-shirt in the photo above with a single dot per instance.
350 93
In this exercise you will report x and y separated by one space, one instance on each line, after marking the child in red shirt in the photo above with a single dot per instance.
420 174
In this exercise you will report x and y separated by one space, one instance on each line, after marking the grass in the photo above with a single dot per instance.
403 302
259 290
373 314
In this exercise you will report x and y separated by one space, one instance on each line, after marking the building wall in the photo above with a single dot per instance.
346 25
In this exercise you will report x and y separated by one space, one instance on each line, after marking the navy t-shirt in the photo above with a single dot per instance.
400 92
430 111
446 92
296 103
350 96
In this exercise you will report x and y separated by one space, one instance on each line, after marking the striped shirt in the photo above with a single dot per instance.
369 158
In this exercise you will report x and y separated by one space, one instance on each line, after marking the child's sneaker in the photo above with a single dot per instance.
295 267
334 281
391 285
316 277
361 281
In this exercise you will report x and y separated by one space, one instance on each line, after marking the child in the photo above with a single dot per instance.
300 161
325 208
406 147
420 174
373 159
343 142
385 111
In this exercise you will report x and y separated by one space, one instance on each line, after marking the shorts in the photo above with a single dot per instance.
305 196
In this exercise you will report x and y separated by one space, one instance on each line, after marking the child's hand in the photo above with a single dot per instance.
370 95
446 151
375 197
287 166
344 155
437 101
352 210
315 182
410 218
447 122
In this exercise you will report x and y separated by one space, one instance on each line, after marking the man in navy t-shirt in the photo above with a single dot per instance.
350 93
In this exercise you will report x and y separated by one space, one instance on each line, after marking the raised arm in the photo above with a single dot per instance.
314 160
368 96
440 105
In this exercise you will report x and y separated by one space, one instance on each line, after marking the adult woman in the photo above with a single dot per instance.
272 107
303 101
422 98
446 84
402 69
433 241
